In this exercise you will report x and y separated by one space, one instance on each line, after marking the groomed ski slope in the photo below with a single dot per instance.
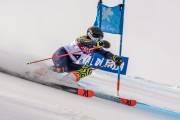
28 100
33 30
25 100
22 99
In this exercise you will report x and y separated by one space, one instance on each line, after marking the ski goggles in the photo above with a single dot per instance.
93 38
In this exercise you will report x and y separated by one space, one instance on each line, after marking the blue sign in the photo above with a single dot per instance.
106 64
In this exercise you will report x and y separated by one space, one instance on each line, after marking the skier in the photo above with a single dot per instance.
92 42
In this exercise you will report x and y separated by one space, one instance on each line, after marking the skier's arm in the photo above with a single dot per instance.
108 55
88 42
104 53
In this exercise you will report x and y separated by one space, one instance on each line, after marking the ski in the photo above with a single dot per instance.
121 100
77 91
128 102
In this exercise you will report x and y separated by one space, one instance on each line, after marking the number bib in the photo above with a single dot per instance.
73 47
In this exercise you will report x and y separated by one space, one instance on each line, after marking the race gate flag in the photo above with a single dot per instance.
109 18
98 61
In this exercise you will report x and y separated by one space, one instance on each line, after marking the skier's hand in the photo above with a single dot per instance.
118 61
106 44
103 43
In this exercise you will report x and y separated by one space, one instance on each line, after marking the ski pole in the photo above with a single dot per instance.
53 57
58 56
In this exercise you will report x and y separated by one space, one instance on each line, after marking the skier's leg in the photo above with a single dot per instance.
75 75
60 64
82 72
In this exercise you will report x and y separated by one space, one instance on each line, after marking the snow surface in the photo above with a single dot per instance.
24 100
33 30
21 99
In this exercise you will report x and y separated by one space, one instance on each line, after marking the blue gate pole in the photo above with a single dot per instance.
120 49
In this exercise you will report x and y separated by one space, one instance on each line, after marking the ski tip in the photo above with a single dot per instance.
127 102
85 93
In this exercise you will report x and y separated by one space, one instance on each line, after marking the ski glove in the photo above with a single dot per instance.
103 43
118 61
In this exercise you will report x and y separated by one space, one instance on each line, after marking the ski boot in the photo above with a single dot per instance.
57 69
73 77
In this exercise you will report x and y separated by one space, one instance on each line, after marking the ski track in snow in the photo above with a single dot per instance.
31 100
60 112
154 94
53 110
148 92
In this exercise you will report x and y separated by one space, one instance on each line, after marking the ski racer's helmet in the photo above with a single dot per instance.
95 33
